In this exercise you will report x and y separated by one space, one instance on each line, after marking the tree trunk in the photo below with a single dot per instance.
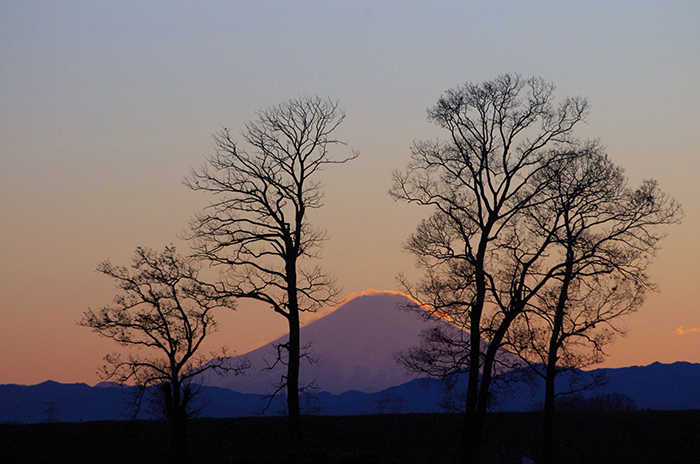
549 394
552 358
176 403
471 436
485 384
548 418
471 431
294 353
293 361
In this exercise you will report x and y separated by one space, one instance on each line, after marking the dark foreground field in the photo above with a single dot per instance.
582 437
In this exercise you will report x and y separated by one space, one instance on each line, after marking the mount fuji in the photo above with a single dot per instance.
353 348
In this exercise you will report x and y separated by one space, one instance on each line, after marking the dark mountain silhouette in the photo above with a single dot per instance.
51 400
657 386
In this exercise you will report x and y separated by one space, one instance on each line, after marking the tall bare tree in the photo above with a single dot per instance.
605 235
502 133
166 312
257 226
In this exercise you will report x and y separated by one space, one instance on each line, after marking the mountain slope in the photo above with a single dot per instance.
354 349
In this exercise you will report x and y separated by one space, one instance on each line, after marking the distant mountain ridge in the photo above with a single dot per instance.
656 386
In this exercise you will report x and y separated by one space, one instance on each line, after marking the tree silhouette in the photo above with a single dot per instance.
536 246
605 235
257 226
165 312
502 133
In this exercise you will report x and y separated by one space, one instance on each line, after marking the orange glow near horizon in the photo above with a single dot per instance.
370 292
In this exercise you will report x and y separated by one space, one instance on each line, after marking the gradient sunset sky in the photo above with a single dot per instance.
105 107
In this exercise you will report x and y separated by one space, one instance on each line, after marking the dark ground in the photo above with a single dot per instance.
582 437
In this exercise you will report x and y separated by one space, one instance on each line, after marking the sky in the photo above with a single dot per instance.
106 106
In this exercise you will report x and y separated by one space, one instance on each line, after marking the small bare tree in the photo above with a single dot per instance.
166 312
257 226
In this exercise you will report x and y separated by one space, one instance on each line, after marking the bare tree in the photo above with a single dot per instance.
605 235
502 134
257 227
164 310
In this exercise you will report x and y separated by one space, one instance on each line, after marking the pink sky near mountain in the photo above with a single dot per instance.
106 106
